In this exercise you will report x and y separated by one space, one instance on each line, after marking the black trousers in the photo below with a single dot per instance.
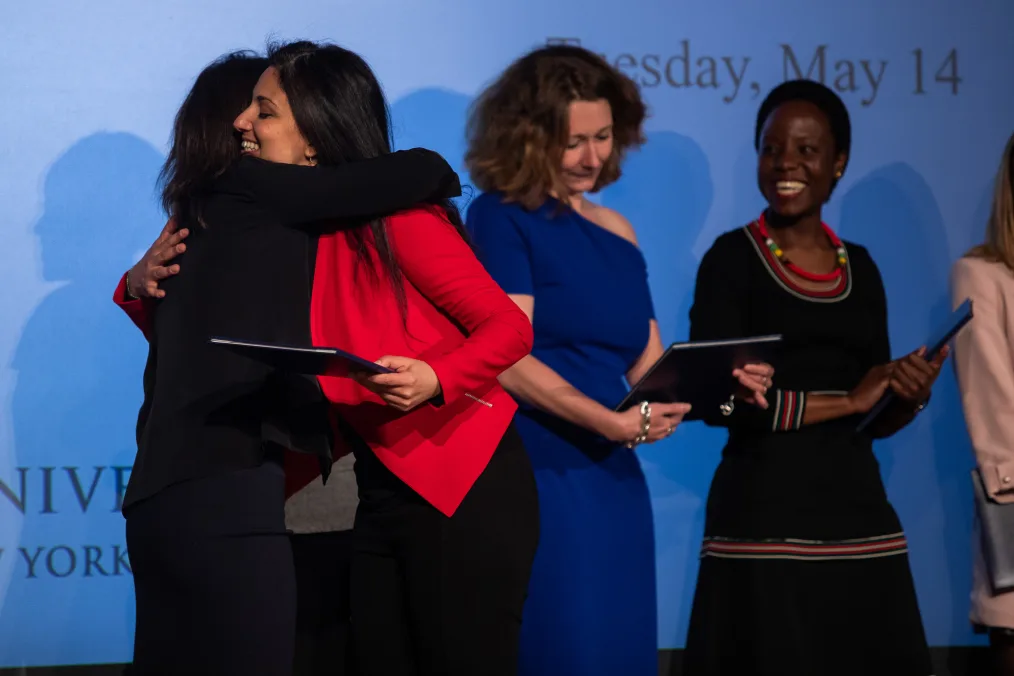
323 615
214 583
437 595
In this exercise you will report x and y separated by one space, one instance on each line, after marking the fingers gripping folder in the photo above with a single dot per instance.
700 373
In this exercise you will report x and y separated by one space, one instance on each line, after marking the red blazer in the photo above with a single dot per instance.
458 321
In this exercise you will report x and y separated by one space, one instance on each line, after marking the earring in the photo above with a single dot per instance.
837 174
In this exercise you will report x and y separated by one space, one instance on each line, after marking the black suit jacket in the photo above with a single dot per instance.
247 276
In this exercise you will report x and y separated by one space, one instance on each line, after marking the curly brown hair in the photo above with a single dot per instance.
518 127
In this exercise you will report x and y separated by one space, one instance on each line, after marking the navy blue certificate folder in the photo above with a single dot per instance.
943 335
700 373
314 361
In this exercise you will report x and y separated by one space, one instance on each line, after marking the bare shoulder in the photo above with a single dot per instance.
611 220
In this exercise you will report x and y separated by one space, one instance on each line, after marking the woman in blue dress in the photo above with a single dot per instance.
553 127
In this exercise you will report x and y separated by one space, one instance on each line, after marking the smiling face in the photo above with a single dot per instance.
589 144
268 128
798 163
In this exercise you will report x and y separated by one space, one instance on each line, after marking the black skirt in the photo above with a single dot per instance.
791 584
796 617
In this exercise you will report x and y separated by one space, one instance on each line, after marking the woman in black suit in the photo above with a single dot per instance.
318 516
212 563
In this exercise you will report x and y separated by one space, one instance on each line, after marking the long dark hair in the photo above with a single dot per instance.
204 142
340 109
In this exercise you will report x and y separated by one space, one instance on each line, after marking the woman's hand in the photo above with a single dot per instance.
913 376
755 380
414 382
143 278
626 427
871 388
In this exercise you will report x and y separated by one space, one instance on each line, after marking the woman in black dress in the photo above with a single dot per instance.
804 565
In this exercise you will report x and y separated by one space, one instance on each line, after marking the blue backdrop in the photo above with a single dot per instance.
89 91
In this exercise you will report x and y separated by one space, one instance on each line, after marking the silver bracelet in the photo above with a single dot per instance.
645 426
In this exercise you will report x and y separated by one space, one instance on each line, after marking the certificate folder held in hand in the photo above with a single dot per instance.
313 361
943 335
699 373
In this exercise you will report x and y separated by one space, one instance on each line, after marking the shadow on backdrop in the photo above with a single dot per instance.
666 193
435 119
79 363
893 212
747 201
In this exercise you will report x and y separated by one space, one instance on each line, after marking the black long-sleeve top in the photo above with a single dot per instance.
778 477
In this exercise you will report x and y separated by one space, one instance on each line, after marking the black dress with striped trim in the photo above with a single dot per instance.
804 565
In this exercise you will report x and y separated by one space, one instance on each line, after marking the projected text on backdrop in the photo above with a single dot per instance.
690 67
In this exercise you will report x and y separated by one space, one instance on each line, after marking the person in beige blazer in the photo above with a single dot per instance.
984 360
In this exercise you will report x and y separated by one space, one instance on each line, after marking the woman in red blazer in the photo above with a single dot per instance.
447 524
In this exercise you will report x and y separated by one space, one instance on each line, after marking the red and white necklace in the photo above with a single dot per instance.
796 270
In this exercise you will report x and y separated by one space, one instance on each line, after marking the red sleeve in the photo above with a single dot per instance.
138 309
436 260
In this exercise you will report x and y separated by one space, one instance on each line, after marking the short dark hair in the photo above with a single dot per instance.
518 127
204 143
819 95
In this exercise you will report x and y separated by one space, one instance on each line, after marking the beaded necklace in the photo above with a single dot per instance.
805 274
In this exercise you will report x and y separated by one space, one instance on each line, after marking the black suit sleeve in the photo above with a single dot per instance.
298 195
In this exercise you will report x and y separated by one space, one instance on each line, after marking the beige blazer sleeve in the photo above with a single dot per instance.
982 359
